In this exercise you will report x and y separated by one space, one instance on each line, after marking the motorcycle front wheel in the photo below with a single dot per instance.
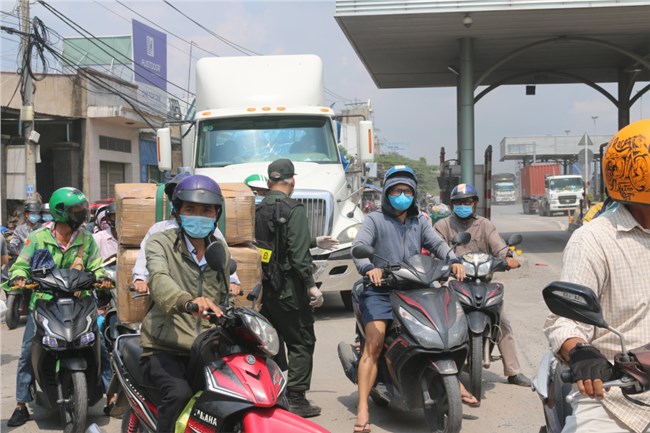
74 410
13 310
475 360
444 413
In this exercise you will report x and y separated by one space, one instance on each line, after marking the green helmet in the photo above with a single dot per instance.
62 202
257 181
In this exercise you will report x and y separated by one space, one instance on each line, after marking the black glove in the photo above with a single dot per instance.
587 363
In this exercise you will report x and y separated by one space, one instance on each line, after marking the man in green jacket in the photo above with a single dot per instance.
178 274
282 231
71 248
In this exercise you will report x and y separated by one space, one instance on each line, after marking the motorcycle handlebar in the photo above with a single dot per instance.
566 376
192 307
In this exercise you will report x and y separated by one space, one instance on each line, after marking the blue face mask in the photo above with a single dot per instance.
198 227
463 211
400 202
34 218
48 217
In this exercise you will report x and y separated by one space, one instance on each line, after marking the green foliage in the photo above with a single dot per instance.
427 182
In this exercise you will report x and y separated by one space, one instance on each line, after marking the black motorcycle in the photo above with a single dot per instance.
425 344
66 347
482 302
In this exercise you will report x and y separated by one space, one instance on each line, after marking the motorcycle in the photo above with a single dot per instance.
243 389
65 349
553 380
425 344
482 302
17 306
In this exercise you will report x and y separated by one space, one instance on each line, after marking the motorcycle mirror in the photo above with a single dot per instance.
515 239
461 238
362 251
575 302
215 255
233 266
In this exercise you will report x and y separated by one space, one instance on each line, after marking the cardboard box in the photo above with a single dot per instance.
249 270
136 211
238 226
129 310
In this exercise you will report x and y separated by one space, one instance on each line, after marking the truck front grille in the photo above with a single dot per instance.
319 208
568 199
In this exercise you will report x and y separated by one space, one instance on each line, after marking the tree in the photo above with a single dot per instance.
427 182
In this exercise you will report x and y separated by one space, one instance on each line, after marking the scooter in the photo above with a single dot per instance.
65 350
482 302
243 389
553 380
426 342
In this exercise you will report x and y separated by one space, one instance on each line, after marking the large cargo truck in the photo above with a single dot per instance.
545 191
250 111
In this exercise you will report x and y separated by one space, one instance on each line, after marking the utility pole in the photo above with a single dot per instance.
27 110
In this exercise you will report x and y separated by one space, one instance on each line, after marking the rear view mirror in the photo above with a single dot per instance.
515 239
215 255
362 251
575 302
461 238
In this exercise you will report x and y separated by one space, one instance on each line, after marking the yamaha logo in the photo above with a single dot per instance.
250 359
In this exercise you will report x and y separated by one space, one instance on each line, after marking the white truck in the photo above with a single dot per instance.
250 111
562 193
504 193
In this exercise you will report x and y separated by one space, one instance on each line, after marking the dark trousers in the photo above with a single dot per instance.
167 373
300 340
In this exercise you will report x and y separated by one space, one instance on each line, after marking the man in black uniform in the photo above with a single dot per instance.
282 232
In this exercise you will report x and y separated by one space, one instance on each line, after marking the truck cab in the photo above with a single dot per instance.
561 194
505 193
250 111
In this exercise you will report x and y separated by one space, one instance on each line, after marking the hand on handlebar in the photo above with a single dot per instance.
141 286
512 263
458 270
106 283
18 282
205 305
235 289
375 275
590 369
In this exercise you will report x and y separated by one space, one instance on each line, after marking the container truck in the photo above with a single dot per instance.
504 190
545 191
250 111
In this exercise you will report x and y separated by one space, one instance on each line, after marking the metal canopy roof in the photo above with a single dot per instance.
413 43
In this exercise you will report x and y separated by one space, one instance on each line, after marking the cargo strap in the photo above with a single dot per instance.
160 195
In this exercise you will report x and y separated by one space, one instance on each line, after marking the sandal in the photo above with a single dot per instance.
470 400
361 428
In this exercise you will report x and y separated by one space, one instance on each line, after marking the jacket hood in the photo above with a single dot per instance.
385 203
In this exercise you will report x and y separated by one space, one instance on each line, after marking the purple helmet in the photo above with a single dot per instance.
198 189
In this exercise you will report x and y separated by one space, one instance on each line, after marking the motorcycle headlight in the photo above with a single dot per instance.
484 269
263 331
426 335
349 234
495 299
51 342
86 339
469 268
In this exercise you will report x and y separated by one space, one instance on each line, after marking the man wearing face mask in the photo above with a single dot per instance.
178 274
32 214
282 232
72 248
396 232
485 239
46 215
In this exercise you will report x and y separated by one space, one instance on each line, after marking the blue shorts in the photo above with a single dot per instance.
375 304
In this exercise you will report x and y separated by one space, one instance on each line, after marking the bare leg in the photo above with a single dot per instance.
375 333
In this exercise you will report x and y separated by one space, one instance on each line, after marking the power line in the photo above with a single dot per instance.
237 47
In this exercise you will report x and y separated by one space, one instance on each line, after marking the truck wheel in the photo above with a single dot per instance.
346 297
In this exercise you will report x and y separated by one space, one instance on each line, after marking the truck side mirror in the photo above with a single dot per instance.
366 141
164 147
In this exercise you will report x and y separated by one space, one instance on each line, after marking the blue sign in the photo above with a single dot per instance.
149 55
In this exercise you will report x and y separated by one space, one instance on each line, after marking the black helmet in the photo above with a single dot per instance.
32 206
110 210
171 185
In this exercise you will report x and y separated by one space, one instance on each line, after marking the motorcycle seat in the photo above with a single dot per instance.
131 351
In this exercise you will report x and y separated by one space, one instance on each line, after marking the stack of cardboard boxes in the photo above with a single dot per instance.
137 210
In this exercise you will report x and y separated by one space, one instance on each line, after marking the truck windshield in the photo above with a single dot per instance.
566 184
226 141
504 187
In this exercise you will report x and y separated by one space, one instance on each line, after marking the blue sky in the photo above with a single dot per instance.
423 119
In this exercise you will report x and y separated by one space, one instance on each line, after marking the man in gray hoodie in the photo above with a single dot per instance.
396 232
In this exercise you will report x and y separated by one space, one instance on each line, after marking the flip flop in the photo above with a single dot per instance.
361 428
470 400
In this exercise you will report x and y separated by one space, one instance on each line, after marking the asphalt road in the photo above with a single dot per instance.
505 408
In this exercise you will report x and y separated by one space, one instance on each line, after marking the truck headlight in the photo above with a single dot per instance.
349 234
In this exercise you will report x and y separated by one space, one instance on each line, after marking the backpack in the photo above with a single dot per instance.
270 219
